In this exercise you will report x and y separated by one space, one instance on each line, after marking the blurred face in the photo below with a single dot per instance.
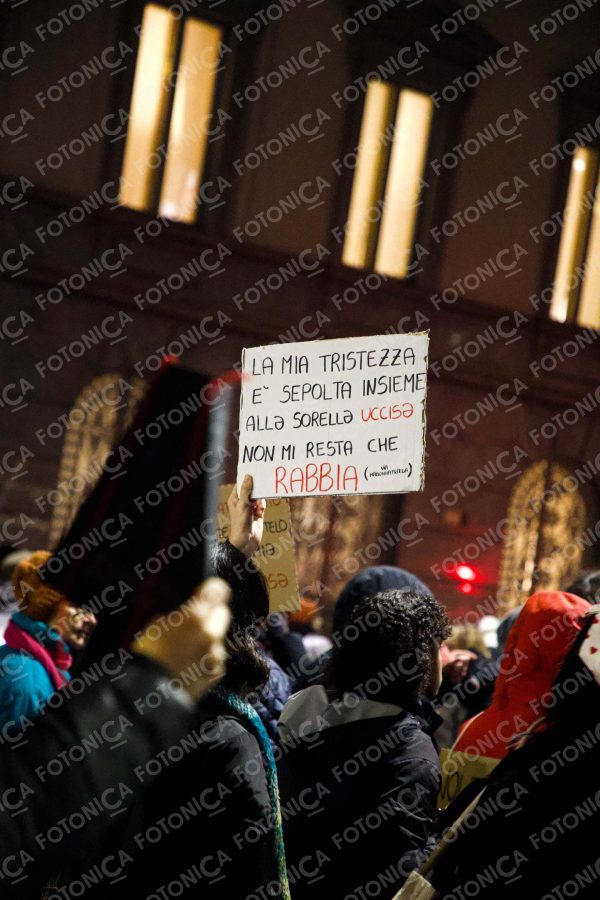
434 682
75 625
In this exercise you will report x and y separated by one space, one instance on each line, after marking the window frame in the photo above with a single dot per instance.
219 152
369 51
573 116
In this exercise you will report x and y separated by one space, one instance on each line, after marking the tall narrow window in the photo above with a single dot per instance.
576 291
171 106
392 152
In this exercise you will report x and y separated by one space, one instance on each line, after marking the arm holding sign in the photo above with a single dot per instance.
247 518
247 525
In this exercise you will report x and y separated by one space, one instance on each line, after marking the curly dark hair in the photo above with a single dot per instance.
387 646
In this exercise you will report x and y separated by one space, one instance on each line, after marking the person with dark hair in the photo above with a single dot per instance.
359 772
366 583
222 792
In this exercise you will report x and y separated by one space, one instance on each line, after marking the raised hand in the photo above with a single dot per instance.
247 518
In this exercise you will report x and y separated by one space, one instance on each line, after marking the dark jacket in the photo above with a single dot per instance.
534 831
44 791
358 784
272 697
205 826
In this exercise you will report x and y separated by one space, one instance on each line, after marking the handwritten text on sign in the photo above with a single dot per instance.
345 416
276 556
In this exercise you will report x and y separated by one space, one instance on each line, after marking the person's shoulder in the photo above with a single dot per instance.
219 728
21 671
407 738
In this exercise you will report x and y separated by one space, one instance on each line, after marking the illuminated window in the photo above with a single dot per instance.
576 290
392 152
171 106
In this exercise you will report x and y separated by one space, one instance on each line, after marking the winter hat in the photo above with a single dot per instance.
369 582
35 598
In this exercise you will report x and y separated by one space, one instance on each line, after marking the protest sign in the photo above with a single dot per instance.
460 769
343 416
276 555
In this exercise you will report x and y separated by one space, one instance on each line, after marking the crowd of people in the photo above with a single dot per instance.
235 753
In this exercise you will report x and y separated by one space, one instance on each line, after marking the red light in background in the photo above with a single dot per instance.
466 588
466 573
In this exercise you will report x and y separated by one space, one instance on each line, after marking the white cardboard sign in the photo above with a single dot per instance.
342 416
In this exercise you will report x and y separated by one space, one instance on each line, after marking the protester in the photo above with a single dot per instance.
269 699
532 832
357 749
36 658
222 792
467 687
282 650
535 650
142 710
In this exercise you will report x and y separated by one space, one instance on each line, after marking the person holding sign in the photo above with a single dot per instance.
223 791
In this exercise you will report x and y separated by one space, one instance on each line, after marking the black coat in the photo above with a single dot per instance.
358 796
47 778
534 832
205 826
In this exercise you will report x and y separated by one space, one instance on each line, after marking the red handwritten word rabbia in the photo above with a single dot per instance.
324 478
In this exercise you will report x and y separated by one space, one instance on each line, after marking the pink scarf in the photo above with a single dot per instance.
52 659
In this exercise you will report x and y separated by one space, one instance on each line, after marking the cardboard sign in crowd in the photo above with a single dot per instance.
275 557
343 416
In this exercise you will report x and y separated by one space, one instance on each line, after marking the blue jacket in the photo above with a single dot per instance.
25 685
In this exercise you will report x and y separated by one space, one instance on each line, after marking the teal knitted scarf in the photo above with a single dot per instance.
237 706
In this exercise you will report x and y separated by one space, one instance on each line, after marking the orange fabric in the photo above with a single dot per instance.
35 598
537 645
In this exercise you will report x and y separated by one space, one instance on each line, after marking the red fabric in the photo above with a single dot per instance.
537 645
51 660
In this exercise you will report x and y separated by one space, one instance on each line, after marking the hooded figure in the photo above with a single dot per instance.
535 650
